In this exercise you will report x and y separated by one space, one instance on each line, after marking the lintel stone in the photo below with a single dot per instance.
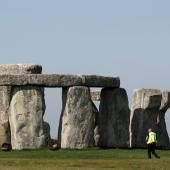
58 80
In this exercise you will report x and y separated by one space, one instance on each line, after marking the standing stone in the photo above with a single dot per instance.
5 96
5 137
114 115
148 111
95 97
163 140
26 118
96 135
77 119
46 129
96 129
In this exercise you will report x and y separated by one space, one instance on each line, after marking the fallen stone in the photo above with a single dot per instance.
54 147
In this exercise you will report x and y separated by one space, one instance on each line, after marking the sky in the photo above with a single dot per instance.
127 38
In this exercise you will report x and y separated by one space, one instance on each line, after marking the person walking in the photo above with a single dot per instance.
151 142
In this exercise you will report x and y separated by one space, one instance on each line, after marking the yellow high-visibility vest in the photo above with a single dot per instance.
151 137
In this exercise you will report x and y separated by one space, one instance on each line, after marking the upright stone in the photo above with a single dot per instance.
163 140
5 136
26 118
46 129
114 117
5 96
77 119
148 111
95 96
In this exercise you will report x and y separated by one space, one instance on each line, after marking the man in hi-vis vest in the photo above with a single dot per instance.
151 142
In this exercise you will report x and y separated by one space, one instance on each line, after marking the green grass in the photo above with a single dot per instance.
83 159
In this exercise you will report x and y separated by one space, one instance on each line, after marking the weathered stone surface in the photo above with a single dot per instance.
148 111
58 80
114 118
96 136
46 131
20 69
96 129
4 121
100 81
78 118
95 95
26 118
5 96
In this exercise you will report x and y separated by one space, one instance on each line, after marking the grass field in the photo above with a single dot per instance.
83 159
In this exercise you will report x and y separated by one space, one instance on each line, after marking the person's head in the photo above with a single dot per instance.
150 130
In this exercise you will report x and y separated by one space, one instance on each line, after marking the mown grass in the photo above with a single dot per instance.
83 159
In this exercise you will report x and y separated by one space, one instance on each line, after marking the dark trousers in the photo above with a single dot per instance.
151 149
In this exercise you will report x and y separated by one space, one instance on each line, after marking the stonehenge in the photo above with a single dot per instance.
81 124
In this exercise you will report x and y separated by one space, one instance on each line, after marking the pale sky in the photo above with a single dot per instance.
128 38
